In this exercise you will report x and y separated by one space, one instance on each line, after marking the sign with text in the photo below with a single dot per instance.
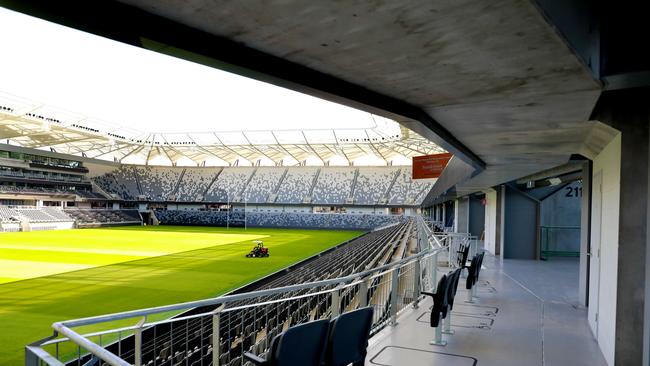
430 166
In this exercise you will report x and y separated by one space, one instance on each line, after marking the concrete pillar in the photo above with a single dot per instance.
462 215
629 112
456 202
501 197
585 230
444 215
476 216
520 225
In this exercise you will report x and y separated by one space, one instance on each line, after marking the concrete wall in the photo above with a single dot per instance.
559 212
449 214
520 226
476 216
491 221
607 163
462 215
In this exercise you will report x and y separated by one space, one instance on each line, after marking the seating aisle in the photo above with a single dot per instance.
514 322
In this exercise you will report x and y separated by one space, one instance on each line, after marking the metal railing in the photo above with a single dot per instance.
219 330
559 241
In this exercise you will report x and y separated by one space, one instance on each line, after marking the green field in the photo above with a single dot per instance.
50 276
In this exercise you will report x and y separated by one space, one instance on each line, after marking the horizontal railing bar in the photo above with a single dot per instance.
102 353
235 297
44 356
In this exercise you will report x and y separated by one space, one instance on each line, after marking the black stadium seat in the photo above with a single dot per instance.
348 338
302 345
439 300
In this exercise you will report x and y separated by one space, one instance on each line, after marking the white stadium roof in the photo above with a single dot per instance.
35 125
154 101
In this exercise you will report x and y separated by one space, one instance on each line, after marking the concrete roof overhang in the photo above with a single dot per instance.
492 82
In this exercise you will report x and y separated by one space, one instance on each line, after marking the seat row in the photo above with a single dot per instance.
443 298
337 342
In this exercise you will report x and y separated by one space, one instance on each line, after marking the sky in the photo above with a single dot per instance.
129 86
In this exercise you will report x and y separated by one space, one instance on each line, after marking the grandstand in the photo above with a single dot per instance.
434 182
364 186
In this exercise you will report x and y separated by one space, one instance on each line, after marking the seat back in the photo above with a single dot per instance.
303 344
462 258
471 273
439 300
348 337
453 287
480 264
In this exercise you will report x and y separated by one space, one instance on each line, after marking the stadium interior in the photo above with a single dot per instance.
324 183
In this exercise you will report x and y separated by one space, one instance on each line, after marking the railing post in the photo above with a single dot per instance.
138 341
434 271
216 337
416 284
363 294
336 302
447 324
394 289
30 358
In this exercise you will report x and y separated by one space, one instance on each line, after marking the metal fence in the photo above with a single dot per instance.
244 322
559 241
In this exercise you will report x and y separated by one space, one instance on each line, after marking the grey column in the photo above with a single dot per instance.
585 232
629 112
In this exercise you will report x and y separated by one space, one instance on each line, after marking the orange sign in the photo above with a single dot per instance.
430 166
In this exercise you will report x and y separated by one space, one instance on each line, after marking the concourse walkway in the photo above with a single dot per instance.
525 315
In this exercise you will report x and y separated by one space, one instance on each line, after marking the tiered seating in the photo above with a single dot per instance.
8 215
56 213
262 184
334 186
194 183
253 329
39 215
408 191
89 194
158 184
121 182
320 185
372 184
283 219
46 190
90 217
229 184
296 185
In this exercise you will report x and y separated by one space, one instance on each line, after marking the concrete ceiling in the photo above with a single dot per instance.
494 74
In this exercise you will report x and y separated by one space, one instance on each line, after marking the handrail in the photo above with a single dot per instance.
433 247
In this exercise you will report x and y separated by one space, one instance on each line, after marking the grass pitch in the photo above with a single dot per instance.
50 276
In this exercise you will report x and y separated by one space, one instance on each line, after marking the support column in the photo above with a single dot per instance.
500 221
585 230
629 112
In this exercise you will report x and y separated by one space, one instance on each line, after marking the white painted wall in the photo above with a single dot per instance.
609 163
490 220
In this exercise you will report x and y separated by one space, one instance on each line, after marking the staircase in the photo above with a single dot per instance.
207 189
274 193
238 198
350 199
384 198
178 184
313 185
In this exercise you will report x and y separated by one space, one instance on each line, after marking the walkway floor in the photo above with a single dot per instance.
525 315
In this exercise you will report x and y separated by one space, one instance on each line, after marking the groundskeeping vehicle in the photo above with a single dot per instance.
258 251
